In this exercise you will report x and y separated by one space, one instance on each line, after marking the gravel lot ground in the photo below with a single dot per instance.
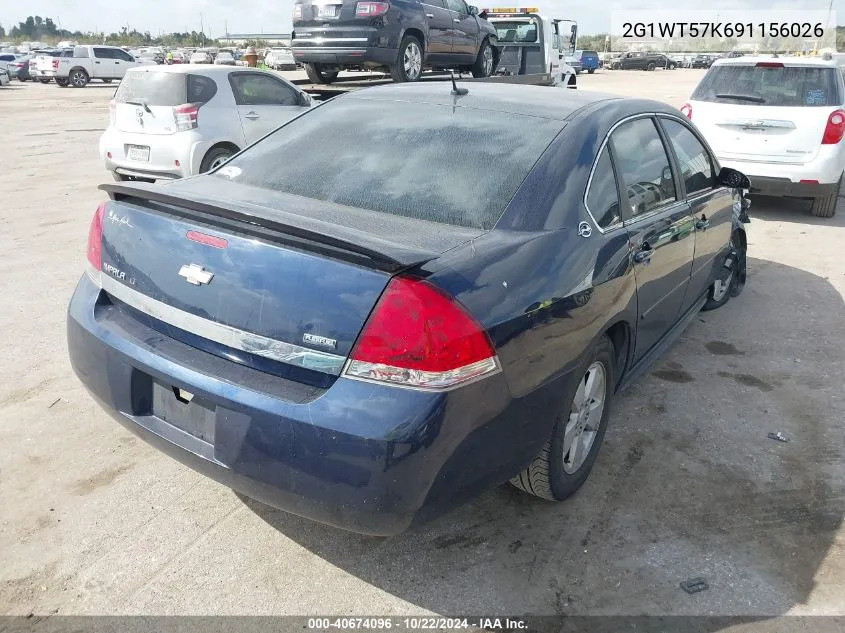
93 521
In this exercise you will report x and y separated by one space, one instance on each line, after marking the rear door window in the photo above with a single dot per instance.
103 53
644 166
259 89
602 195
201 89
453 165
792 86
123 56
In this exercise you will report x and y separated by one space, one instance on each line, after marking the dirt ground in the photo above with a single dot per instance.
93 521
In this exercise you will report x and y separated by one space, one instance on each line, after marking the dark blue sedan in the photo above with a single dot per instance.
406 296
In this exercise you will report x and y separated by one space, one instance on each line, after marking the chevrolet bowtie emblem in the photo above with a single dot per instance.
194 274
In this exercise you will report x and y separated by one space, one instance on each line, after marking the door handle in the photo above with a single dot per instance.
429 15
96 62
644 254
251 115
702 223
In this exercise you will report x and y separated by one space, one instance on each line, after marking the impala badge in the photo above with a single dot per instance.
319 340
584 230
194 274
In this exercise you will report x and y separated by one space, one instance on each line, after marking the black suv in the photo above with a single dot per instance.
644 61
404 36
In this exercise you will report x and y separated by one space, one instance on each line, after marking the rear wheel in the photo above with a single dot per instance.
408 65
106 81
825 207
78 78
215 157
63 82
590 71
485 62
44 80
671 66
650 66
319 76
565 461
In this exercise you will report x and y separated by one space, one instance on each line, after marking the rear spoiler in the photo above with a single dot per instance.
290 229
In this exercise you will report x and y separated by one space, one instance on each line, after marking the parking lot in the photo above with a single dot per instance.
94 521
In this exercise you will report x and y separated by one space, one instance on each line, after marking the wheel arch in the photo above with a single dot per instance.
219 145
417 33
621 334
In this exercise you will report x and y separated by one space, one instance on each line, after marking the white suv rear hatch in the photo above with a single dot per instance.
766 111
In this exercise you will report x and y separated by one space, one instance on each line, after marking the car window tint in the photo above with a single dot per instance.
201 89
153 88
123 56
603 197
436 3
103 53
748 85
642 160
459 6
440 163
255 89
693 158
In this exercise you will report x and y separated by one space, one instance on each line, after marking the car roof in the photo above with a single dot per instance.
538 101
198 69
748 60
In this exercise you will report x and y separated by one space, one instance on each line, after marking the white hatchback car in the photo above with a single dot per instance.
174 121
780 121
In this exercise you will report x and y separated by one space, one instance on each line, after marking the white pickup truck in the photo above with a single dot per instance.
89 62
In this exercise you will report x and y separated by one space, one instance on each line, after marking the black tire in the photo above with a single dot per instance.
409 60
651 66
485 61
825 207
590 71
671 66
721 290
546 475
213 157
78 78
44 80
106 81
62 83
317 75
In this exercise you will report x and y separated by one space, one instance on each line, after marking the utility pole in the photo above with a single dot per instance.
202 31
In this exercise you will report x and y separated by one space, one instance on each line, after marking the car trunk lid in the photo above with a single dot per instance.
287 279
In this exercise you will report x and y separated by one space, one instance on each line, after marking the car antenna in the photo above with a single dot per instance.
458 92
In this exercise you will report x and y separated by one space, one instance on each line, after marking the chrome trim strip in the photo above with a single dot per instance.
225 334
329 39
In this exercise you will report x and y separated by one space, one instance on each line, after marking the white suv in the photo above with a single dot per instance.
174 121
780 121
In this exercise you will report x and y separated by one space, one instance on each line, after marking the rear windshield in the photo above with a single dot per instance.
589 53
769 86
458 166
516 31
165 89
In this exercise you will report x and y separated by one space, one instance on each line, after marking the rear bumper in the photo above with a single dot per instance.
165 149
344 56
364 457
821 175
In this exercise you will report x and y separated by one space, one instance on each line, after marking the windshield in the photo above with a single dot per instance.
792 86
152 88
458 166
516 31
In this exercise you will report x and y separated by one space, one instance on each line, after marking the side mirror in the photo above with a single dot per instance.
472 10
733 179
305 99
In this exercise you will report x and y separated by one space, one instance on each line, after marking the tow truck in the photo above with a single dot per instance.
531 54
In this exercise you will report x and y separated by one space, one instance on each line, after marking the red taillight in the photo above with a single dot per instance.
769 65
95 239
835 128
297 12
186 116
686 110
371 9
418 336
112 112
55 64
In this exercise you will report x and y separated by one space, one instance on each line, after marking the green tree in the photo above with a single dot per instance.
2 31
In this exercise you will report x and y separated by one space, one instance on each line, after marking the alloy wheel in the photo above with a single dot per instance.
585 416
412 61
487 60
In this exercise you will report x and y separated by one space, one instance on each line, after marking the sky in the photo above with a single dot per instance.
274 16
